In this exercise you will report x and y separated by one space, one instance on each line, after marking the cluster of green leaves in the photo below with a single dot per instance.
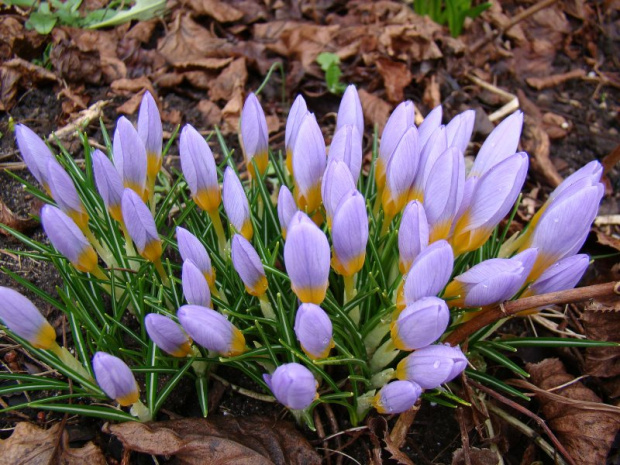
450 12
47 14
330 64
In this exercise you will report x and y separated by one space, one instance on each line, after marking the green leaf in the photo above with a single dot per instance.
495 383
556 342
143 10
43 23
327 59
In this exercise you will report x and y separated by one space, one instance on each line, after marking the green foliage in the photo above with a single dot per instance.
330 64
450 12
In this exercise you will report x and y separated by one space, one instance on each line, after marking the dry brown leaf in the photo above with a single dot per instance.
219 441
131 86
476 457
609 241
18 74
586 434
432 93
10 219
15 40
32 445
602 325
396 76
232 112
210 112
221 11
233 77
409 42
376 110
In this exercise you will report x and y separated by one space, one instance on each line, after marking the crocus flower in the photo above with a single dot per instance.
67 238
401 119
211 330
346 146
167 335
199 169
437 144
443 192
254 135
492 198
150 132
141 226
397 397
432 366
296 115
491 281
413 235
115 379
459 130
313 329
236 204
65 194
430 124
192 249
286 208
400 173
420 323
195 285
306 256
293 385
350 110
308 164
24 319
429 272
499 145
248 265
35 152
560 276
337 182
109 184
130 156
350 234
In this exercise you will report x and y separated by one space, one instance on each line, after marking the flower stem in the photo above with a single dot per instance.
349 294
162 273
141 411
105 255
266 307
219 231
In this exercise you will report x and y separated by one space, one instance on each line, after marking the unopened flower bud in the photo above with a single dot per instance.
248 265
21 316
313 329
413 235
195 286
346 146
130 156
151 132
167 335
109 184
337 182
192 249
420 323
309 164
141 226
211 330
65 194
350 110
293 385
236 204
115 379
432 366
350 234
286 208
35 153
254 136
397 397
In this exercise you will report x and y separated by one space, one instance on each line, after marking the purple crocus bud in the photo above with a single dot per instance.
211 330
199 169
413 235
420 323
293 385
460 129
491 281
397 397
350 110
35 152
254 135
141 226
346 146
309 164
430 124
350 234
24 319
499 145
167 335
130 156
109 184
236 204
587 175
437 144
65 194
115 379
67 238
313 329
195 286
306 256
443 192
492 198
151 132
401 119
294 120
337 182
286 208
432 366
248 265
429 272
192 249
400 173
560 276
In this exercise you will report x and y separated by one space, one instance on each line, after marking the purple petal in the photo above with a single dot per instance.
562 275
167 335
350 110
192 249
587 175
397 397
286 208
430 272
115 378
294 386
350 233
432 366
337 182
248 265
35 152
430 124
401 119
295 117
129 156
254 133
211 330
150 131
236 203
499 145
108 181
195 286
432 150
421 323
413 234
21 316
309 163
63 190
313 329
460 129
140 224
400 173
346 146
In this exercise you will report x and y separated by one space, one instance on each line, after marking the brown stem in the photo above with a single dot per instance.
509 309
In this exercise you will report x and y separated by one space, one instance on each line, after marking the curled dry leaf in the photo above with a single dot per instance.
35 446
18 73
602 324
476 457
10 219
232 78
219 441
221 11
396 76
376 110
586 432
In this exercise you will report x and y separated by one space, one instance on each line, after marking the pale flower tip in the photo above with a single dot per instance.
346 146
236 204
248 265
115 379
65 194
413 234
562 275
211 330
336 184
108 182
34 151
429 272
254 134
192 249
420 323
151 132
130 156
350 110
313 329
195 285
309 164
397 397
293 385
141 225
350 233
167 335
286 208
432 366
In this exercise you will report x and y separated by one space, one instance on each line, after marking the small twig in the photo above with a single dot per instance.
86 116
511 308
342 454
243 391
512 101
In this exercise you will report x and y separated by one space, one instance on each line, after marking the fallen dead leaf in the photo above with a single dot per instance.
376 110
16 40
32 445
606 239
476 457
210 112
602 324
226 84
219 441
10 219
221 11
432 93
18 74
396 76
586 433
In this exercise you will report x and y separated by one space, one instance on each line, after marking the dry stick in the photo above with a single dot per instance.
525 412
511 308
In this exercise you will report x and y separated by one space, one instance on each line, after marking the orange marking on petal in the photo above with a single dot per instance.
208 199
87 260
152 251
45 338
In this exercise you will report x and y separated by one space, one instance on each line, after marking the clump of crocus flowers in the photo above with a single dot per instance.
312 259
